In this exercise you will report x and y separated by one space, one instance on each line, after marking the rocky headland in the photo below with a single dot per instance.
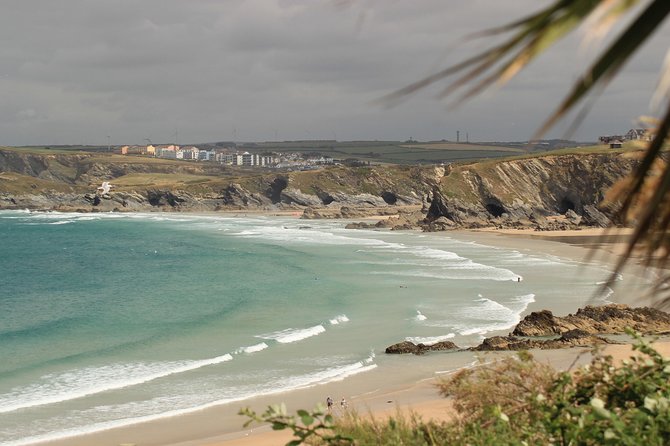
543 330
560 191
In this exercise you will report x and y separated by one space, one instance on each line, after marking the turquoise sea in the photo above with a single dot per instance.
112 319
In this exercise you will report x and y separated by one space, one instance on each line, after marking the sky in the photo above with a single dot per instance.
194 71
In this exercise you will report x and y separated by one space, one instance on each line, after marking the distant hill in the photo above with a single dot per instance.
521 189
404 152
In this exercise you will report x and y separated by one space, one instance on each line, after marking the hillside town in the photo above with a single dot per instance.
228 156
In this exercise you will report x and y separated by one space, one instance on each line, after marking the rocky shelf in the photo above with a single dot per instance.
574 330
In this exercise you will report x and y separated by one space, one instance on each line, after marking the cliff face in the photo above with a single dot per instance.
522 192
527 191
69 182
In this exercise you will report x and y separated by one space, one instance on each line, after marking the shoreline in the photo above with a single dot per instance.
207 426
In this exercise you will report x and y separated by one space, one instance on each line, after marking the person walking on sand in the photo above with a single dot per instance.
329 403
343 404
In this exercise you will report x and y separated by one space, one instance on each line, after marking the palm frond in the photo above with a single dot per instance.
649 191
613 58
531 36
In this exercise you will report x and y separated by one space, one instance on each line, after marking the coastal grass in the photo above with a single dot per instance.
159 180
19 184
391 152
451 146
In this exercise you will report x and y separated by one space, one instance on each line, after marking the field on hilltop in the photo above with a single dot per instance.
391 152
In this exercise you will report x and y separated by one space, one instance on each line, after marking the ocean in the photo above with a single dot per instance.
112 319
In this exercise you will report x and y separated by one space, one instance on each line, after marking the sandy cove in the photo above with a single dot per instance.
216 426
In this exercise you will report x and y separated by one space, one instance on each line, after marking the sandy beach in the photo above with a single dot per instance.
222 426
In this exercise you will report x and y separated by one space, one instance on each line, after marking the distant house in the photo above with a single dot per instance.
637 134
611 138
190 153
132 150
169 151
616 144
206 155
631 135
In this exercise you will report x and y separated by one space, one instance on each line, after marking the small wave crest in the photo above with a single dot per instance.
605 296
488 315
293 335
252 348
420 316
56 388
429 340
339 319
305 235
333 374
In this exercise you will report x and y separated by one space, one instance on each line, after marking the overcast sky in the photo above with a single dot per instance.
124 71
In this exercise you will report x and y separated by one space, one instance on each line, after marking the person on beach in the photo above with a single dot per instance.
343 404
329 403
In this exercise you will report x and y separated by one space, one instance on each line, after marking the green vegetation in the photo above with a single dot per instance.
518 401
159 180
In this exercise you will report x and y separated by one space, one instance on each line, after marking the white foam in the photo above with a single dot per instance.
319 236
420 316
339 319
488 315
328 375
605 297
617 278
463 272
252 348
55 388
293 335
430 340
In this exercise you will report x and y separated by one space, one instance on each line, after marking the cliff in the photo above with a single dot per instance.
543 192
530 192
545 331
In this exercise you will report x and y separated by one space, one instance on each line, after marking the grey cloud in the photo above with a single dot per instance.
79 70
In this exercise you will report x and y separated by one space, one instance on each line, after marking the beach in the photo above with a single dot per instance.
369 393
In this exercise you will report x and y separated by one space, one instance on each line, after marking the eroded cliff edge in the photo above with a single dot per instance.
525 192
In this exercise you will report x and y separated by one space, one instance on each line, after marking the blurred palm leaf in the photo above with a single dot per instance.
646 200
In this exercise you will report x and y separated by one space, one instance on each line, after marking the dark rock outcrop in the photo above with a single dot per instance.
614 318
294 196
573 338
419 349
578 330
593 217
234 195
166 198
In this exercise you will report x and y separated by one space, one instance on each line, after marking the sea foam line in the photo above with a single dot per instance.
430 340
298 382
252 348
502 317
293 335
92 380
339 319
